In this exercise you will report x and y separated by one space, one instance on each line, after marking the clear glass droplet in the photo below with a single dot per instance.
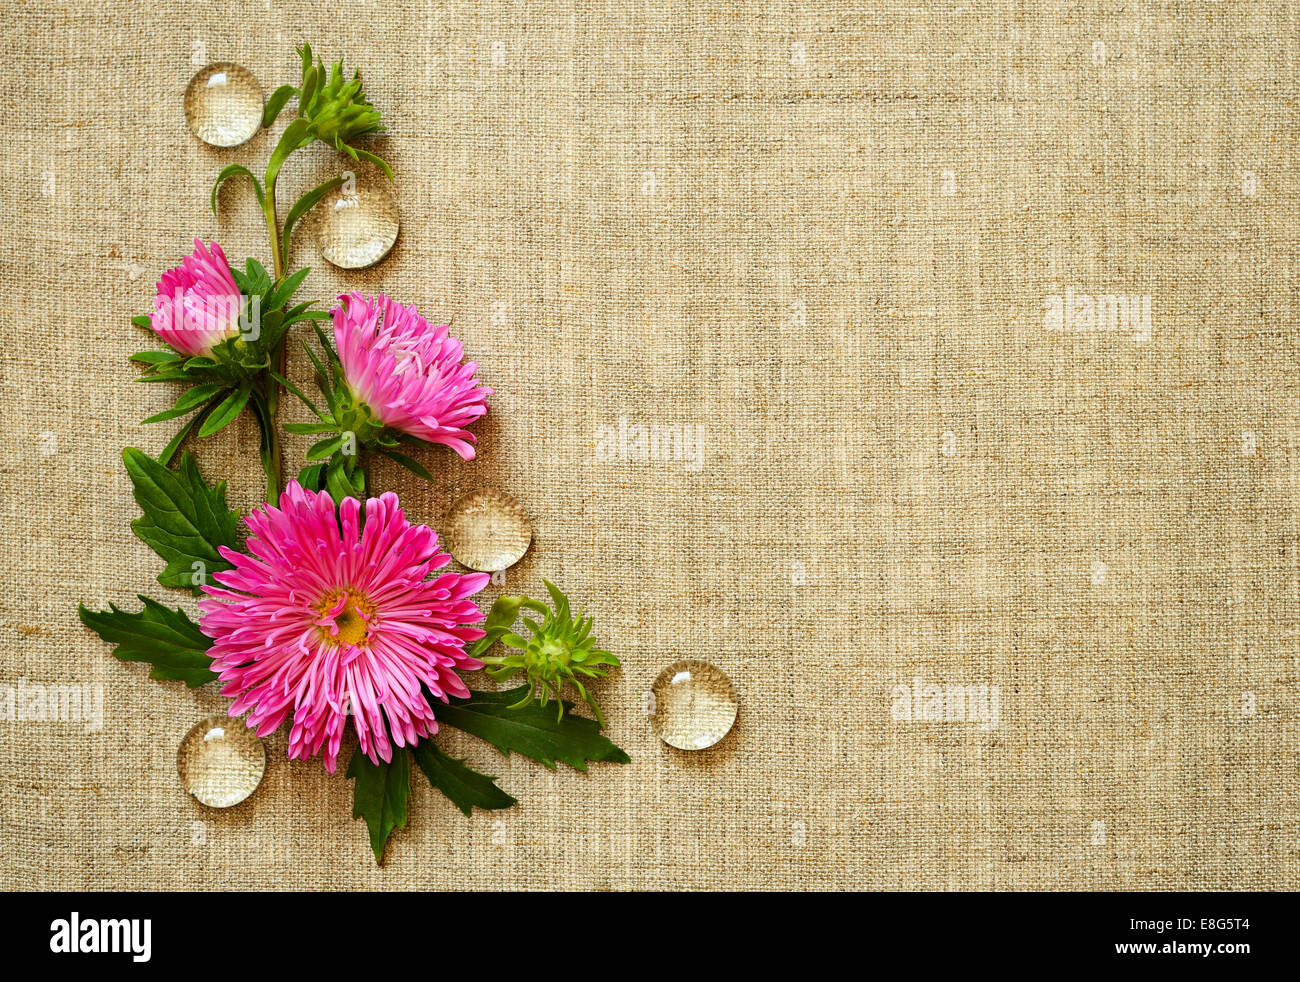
693 705
487 531
356 224
221 761
223 105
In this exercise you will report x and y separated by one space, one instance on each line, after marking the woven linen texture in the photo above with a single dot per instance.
822 238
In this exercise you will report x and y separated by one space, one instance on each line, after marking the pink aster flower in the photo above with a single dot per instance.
197 304
327 620
408 371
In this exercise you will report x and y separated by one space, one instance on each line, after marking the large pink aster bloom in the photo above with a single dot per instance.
408 371
197 304
327 620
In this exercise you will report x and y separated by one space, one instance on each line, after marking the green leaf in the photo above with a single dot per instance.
465 787
310 476
309 315
187 402
174 444
310 77
155 357
277 101
295 135
184 520
531 729
229 171
325 426
379 795
166 639
225 413
268 451
278 297
168 376
414 466
143 320
341 481
259 280
380 162
333 356
323 448
302 396
559 599
300 207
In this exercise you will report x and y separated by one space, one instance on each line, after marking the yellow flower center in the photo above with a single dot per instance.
346 617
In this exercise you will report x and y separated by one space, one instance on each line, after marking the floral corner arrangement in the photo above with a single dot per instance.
332 610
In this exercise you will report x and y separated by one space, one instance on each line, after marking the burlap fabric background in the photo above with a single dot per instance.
824 233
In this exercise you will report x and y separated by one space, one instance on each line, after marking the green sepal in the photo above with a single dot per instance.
276 103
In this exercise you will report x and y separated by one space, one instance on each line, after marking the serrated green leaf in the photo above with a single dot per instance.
531 729
143 320
464 787
229 171
225 413
184 520
379 795
276 103
164 638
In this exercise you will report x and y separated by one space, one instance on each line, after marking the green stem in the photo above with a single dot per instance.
365 469
275 473
273 229
274 465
